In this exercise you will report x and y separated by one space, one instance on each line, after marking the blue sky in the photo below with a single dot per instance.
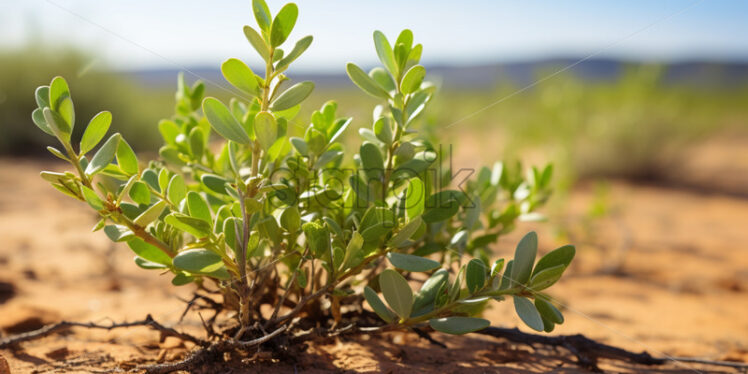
139 34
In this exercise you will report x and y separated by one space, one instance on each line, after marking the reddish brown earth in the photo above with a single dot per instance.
666 270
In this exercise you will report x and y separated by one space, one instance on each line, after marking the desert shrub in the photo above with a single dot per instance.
301 224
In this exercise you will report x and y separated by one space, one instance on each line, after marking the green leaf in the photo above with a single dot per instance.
180 279
413 79
118 233
558 256
384 51
458 325
397 292
283 24
140 193
548 311
371 161
57 124
527 313
194 226
126 158
383 131
92 198
382 78
497 267
415 199
223 121
427 294
67 112
262 14
441 212
454 292
201 261
411 263
240 76
104 155
38 117
266 129
524 258
42 96
297 50
364 82
405 38
95 131
377 305
291 219
197 142
214 183
300 145
257 42
150 214
292 96
405 233
197 207
176 190
58 92
148 265
148 251
506 280
318 238
546 278
475 275
353 255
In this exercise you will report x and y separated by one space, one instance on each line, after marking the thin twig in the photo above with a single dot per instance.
64 325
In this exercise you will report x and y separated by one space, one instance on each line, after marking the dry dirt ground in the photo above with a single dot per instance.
666 271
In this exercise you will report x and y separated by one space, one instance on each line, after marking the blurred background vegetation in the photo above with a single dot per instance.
638 123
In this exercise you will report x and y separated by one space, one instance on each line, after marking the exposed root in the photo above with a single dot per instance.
209 354
588 351
13 340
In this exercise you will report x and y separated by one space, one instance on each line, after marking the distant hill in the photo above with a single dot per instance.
701 73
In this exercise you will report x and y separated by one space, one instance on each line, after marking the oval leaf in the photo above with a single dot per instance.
524 258
266 129
283 24
475 275
95 131
377 305
546 278
411 262
412 79
258 43
199 261
385 53
548 311
405 233
223 121
104 155
427 294
458 325
527 313
292 96
415 199
126 158
240 76
558 256
397 292
364 82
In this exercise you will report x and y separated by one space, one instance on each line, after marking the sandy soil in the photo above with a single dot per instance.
678 286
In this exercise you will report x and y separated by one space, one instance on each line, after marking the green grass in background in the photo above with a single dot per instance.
135 108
